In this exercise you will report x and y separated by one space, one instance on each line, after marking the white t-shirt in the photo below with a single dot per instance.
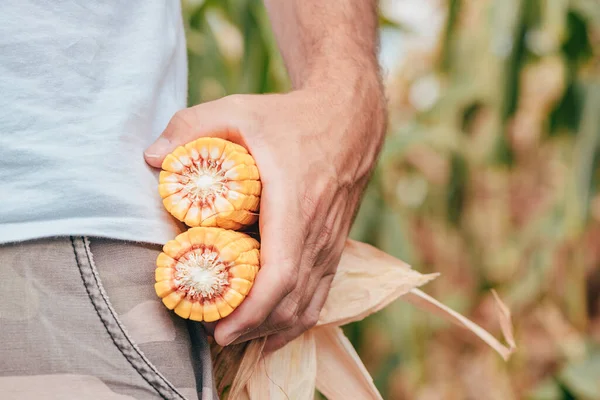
85 87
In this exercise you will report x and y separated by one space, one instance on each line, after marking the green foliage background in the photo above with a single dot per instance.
494 182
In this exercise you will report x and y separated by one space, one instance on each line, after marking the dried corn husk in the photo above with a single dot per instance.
428 303
339 363
287 374
367 280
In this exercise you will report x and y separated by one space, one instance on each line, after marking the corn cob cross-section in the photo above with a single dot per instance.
206 272
211 182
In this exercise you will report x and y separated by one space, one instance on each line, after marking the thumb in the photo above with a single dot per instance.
213 119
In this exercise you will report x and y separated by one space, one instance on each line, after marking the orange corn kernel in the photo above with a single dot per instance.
211 182
205 273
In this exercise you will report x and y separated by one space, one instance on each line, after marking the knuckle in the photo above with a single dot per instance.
182 117
310 319
325 234
289 284
180 122
248 114
286 316
290 317
321 245
289 280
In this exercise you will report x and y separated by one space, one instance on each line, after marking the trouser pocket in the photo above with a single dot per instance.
118 279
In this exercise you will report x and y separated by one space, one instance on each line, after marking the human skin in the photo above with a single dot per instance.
315 148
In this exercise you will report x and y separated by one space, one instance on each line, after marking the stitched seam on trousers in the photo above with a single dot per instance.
96 304
143 359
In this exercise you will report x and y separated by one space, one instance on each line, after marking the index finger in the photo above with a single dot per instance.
215 118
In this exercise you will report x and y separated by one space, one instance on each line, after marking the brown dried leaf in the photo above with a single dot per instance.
367 280
340 372
428 303
288 373
504 318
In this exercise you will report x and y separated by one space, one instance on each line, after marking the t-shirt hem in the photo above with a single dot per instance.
126 229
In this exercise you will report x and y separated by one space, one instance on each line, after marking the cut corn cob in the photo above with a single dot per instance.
211 182
206 272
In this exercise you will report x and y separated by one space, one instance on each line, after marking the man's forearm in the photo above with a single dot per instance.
325 40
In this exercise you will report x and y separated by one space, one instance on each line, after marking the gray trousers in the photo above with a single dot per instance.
79 319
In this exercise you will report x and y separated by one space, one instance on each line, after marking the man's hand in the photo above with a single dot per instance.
315 148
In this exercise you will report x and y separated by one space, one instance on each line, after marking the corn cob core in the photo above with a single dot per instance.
206 272
211 182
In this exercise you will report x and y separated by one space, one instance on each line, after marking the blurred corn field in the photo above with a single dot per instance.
490 175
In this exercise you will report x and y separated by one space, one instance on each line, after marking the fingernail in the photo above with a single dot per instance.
159 148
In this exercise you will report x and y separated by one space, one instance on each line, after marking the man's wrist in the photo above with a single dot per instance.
340 71
354 84
352 92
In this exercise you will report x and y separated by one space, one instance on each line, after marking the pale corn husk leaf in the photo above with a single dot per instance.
428 303
505 320
288 373
367 280
341 375
250 360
